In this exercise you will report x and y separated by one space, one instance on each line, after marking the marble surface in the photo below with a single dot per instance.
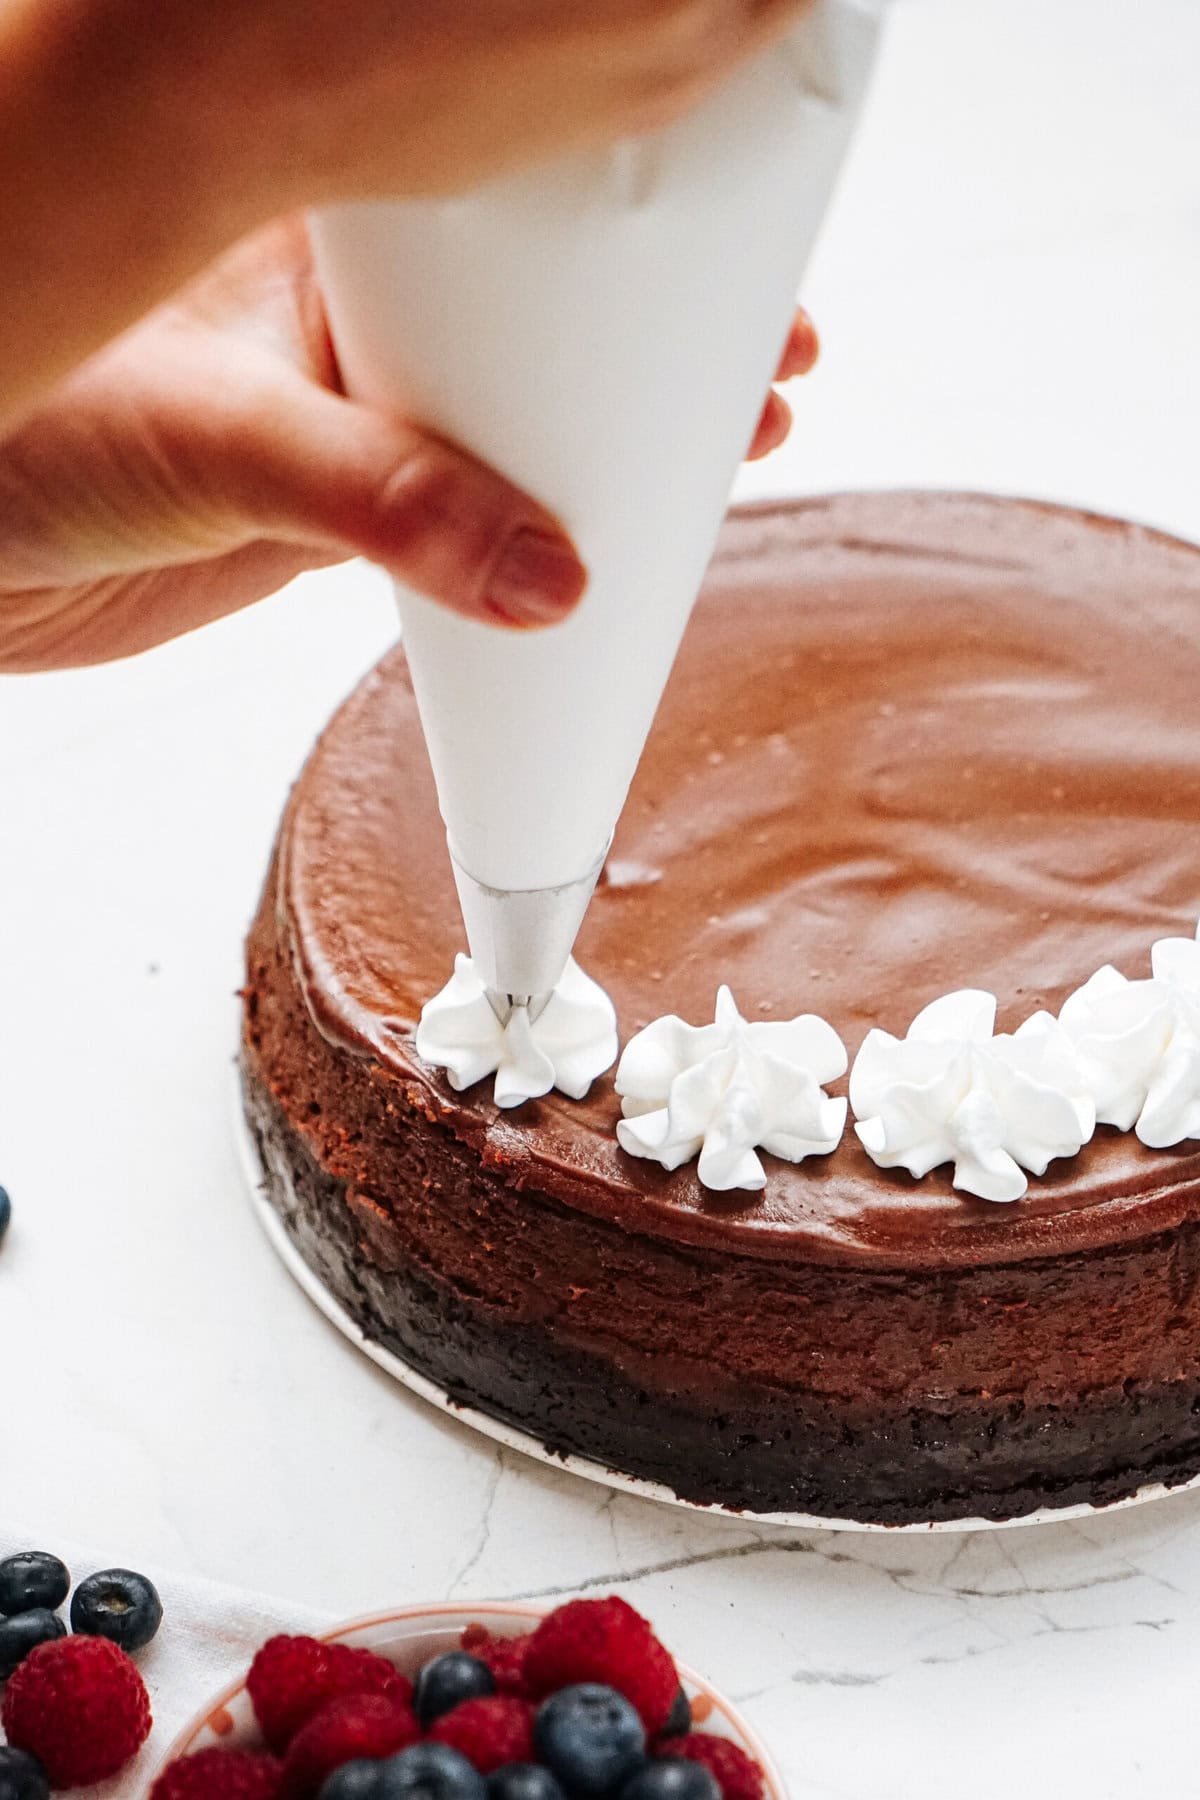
1008 293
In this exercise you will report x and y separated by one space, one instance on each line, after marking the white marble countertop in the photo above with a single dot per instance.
1008 294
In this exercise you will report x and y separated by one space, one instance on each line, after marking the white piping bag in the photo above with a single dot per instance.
603 331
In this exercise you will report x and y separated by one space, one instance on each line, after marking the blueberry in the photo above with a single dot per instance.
357 1780
119 1605
22 1776
679 1719
32 1578
523 1781
591 1737
23 1633
429 1772
5 1221
674 1778
447 1681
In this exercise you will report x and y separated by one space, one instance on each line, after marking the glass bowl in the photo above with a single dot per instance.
412 1635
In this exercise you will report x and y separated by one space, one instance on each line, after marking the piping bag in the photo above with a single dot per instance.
603 331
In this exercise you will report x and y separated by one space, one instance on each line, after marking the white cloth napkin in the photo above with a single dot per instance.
209 1635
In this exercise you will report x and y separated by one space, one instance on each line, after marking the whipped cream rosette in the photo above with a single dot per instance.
566 1044
720 1092
952 1091
1139 1043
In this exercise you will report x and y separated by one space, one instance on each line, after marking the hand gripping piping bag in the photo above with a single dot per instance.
603 330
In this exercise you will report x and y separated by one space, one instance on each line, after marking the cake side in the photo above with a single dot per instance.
733 1380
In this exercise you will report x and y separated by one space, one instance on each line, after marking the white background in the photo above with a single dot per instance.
1009 295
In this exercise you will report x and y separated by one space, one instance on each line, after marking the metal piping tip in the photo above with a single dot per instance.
504 1005
520 939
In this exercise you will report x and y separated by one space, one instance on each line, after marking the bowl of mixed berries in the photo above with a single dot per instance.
491 1702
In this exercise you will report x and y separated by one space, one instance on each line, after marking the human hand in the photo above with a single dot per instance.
358 98
208 456
139 139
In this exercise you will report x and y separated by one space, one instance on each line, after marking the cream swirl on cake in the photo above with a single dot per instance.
951 1091
720 1092
565 1045
1139 1042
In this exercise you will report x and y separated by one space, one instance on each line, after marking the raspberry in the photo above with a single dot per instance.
488 1732
505 1657
219 1775
292 1678
286 1685
737 1775
362 1672
78 1705
356 1725
603 1641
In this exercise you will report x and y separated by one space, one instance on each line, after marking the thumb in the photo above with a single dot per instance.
324 470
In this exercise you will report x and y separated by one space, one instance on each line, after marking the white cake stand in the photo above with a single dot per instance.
512 1439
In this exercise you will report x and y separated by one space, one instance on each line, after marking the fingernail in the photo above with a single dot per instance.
536 581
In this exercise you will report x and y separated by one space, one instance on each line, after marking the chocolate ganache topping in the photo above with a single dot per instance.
913 742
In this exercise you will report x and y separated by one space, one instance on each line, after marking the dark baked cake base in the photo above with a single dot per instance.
780 1454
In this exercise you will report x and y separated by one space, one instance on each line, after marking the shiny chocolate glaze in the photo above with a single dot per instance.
913 742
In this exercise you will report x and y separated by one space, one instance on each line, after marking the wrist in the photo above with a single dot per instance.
118 190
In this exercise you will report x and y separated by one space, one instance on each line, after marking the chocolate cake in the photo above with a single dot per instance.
914 742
